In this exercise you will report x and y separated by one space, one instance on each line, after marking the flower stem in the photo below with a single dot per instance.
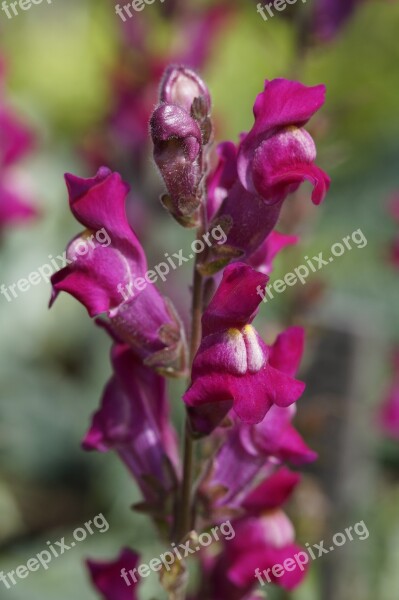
185 516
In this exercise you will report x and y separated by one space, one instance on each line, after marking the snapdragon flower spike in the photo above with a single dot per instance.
251 450
231 368
180 127
133 420
106 576
104 277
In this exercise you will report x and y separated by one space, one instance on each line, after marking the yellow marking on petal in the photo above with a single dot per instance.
233 332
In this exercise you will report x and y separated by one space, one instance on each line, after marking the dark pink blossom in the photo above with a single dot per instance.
277 155
250 183
133 420
111 278
265 536
231 368
106 576
249 450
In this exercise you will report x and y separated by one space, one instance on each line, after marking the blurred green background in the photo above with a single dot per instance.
54 364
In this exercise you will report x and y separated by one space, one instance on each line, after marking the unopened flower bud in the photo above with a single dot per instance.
181 86
177 142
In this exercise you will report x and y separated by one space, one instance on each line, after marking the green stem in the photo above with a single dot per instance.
185 516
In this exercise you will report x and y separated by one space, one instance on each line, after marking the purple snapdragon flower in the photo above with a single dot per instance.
250 450
140 317
133 420
251 181
231 368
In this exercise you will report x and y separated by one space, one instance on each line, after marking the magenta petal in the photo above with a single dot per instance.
262 258
264 559
113 258
133 420
99 202
283 161
236 300
286 352
276 437
16 139
283 389
253 219
272 492
106 576
283 103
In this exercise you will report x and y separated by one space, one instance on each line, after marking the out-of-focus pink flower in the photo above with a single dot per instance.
134 421
134 83
106 576
388 414
16 140
331 15
110 275
231 368
13 206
